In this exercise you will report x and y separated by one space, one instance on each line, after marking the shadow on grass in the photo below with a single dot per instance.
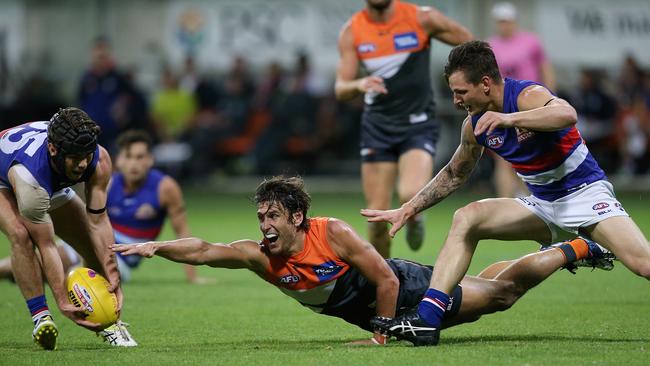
537 338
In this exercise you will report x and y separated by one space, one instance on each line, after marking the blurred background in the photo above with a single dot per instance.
236 89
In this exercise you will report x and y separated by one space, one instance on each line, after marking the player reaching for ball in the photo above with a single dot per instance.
326 266
39 161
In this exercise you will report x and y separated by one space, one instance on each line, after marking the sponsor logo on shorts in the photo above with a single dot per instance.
619 206
405 41
289 279
604 212
600 206
366 48
495 141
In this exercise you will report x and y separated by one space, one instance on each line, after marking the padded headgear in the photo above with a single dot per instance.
71 131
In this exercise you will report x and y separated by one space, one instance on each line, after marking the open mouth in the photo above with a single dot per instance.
271 237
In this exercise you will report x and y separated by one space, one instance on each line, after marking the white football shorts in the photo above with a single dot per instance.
584 207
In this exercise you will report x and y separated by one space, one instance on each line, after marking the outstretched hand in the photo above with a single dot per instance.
397 218
143 249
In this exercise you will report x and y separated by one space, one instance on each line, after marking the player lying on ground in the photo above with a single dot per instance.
326 266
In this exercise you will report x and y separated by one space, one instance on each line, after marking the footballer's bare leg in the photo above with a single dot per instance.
378 181
622 236
496 218
485 296
25 265
415 168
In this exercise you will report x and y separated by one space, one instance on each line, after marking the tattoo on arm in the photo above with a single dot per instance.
450 178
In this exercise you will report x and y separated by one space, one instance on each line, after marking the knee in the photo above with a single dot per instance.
506 295
18 237
465 218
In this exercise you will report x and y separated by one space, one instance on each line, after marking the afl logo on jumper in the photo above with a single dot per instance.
366 47
405 41
289 279
495 141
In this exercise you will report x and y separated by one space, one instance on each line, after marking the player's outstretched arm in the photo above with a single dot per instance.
239 254
443 28
171 198
448 180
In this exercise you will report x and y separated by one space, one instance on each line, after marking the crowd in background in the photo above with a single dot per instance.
244 121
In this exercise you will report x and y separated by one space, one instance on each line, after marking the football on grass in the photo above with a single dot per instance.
89 289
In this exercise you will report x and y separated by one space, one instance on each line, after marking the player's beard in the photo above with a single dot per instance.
379 5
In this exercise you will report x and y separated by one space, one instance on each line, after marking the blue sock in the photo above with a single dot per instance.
432 307
38 307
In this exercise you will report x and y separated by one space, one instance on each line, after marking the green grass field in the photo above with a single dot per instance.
592 318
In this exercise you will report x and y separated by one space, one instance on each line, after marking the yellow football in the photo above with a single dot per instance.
90 289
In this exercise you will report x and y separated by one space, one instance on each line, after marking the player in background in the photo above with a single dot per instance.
139 199
326 266
39 161
391 40
530 127
520 56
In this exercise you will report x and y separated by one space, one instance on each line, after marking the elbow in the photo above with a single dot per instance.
571 117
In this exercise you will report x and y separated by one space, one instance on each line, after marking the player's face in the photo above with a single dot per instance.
279 232
134 162
76 165
472 98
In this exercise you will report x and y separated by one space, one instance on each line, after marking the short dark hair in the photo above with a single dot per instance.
288 192
130 137
475 59
72 131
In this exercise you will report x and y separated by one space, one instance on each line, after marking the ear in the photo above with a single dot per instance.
486 83
298 218
52 149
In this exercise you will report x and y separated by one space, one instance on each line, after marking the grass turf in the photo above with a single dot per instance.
592 318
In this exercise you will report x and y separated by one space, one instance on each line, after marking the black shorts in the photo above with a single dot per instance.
354 298
381 144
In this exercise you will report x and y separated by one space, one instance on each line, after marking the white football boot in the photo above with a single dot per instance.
117 335
45 333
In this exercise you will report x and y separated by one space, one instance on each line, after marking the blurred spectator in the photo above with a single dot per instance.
100 88
634 127
172 108
189 76
630 80
520 55
596 116
132 109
